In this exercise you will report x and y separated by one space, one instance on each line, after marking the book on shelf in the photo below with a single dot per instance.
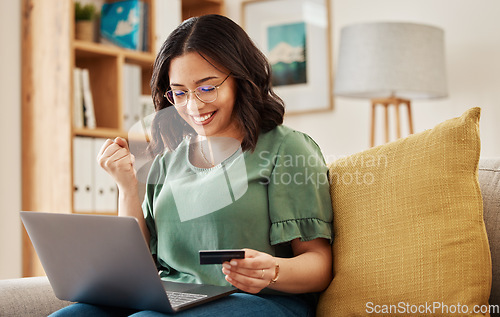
88 101
144 42
136 107
83 103
125 23
131 93
78 121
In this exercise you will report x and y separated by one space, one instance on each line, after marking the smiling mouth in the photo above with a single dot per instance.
203 119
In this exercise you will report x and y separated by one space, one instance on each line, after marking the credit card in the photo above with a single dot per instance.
220 256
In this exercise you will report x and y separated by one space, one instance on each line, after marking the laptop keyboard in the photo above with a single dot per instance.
179 298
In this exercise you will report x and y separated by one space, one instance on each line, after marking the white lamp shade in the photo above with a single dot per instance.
383 59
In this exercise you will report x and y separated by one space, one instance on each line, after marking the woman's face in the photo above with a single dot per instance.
190 71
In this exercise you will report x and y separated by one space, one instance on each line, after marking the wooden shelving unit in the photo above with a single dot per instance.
50 53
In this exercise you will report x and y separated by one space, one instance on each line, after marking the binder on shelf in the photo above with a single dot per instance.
82 175
131 95
105 190
78 121
94 190
88 102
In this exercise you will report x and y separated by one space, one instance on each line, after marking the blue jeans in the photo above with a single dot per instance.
238 304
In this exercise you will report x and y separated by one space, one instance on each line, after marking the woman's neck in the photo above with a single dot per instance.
208 152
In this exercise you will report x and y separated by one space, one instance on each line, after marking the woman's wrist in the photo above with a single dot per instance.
129 203
128 188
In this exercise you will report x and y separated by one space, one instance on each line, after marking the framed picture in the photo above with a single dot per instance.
295 37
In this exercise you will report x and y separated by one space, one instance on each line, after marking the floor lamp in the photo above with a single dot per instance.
391 64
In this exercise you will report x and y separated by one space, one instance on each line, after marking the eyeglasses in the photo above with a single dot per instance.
206 94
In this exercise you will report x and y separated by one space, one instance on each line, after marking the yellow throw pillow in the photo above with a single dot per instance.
409 233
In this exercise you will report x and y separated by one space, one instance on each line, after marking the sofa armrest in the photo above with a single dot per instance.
28 297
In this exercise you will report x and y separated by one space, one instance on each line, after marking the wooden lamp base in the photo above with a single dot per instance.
386 102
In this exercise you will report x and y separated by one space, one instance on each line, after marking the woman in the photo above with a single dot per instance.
227 175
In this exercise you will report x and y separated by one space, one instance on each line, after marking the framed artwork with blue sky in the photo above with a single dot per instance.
287 53
295 37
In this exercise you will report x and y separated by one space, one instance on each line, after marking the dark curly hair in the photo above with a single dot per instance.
257 108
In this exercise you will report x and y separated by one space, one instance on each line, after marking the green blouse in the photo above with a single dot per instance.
259 199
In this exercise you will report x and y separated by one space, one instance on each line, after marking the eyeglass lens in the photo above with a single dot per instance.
205 94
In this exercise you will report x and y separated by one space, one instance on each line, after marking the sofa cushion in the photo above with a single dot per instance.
31 296
410 239
489 178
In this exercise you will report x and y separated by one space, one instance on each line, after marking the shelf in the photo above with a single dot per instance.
197 2
109 134
101 133
84 49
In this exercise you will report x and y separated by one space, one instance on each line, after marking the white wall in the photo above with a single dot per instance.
473 66
10 131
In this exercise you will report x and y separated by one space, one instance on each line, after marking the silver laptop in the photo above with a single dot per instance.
104 260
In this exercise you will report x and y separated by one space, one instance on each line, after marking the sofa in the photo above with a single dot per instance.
34 297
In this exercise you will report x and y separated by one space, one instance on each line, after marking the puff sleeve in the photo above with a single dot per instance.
299 195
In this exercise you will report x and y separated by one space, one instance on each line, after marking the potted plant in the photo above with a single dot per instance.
84 21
